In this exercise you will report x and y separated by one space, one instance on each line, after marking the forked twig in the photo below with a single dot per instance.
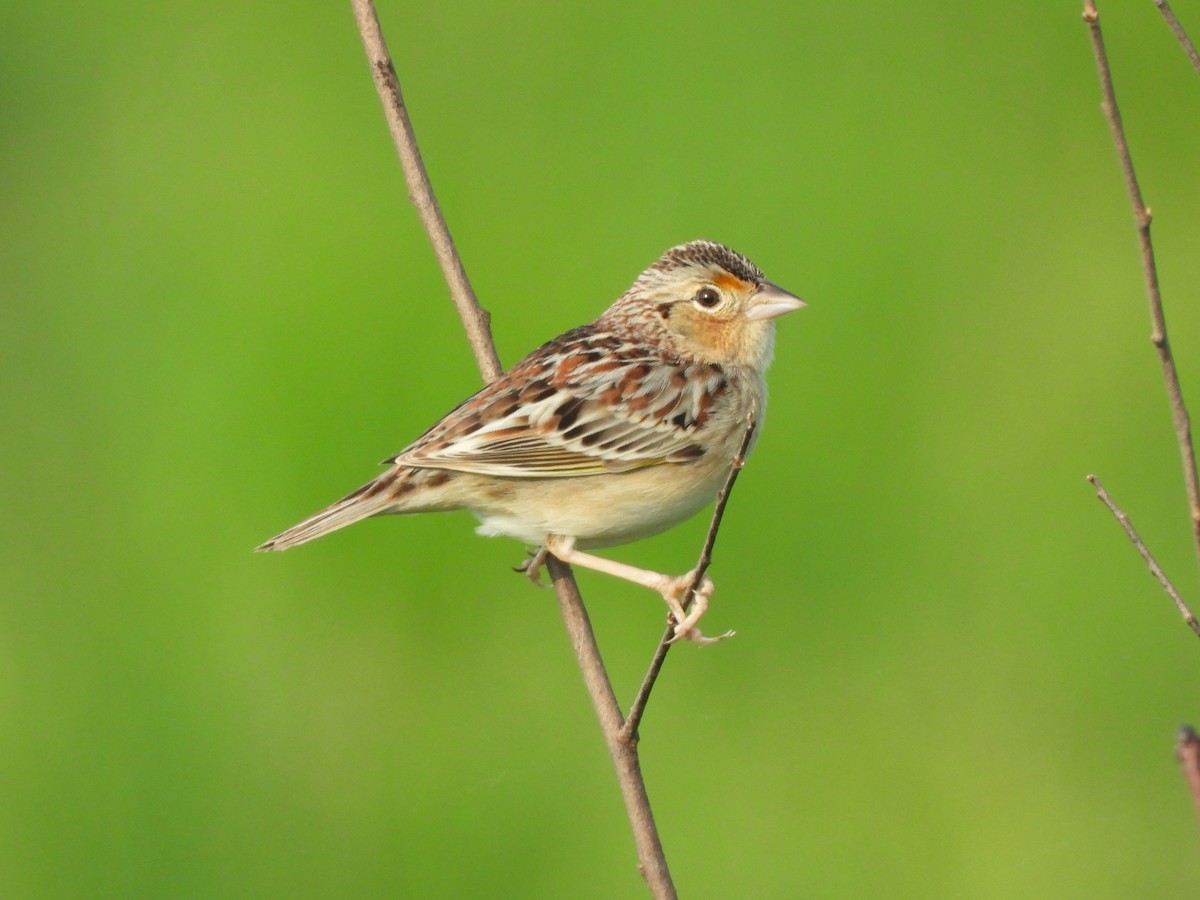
1180 35
1141 215
638 708
652 861
1188 748
1139 544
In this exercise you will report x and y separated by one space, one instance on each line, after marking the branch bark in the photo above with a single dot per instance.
1142 217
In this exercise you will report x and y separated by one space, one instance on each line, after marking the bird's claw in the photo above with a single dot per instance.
532 567
696 637
684 620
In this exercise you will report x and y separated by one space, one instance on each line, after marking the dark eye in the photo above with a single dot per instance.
708 297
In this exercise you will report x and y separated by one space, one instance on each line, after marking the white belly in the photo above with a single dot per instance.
606 510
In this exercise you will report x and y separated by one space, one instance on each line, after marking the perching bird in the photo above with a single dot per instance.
609 433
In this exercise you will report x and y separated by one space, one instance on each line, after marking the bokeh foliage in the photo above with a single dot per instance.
952 676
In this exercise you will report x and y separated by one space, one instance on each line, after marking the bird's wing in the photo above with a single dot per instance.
574 408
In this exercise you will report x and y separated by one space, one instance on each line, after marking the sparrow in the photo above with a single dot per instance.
609 433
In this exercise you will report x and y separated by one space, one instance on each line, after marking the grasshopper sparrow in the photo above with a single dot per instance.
609 433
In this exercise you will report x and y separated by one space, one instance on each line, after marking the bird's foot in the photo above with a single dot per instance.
532 567
685 620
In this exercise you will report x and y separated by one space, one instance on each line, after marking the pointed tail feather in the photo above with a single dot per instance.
372 498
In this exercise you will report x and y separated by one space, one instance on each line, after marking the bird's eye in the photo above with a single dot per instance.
708 298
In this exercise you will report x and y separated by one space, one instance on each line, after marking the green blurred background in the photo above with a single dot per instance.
952 675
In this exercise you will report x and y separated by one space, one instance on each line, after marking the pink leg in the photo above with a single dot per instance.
670 588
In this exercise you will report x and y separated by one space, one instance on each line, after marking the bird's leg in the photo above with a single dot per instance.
532 567
670 588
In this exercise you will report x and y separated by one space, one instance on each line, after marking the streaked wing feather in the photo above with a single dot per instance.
584 404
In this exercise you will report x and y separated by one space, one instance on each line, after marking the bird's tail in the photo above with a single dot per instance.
371 499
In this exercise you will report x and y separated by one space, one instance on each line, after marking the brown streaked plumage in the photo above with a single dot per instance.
609 433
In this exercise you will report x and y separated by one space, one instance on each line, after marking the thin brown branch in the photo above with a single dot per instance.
652 861
638 708
1141 215
1187 751
1180 35
475 318
1139 544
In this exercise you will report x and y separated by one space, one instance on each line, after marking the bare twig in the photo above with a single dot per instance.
1155 569
474 317
638 708
1187 751
1188 47
652 861
1141 215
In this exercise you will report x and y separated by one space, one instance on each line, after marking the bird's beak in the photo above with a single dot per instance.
771 301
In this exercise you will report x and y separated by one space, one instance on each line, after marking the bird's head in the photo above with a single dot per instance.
708 303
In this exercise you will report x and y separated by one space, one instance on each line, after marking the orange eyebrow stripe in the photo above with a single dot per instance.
730 282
